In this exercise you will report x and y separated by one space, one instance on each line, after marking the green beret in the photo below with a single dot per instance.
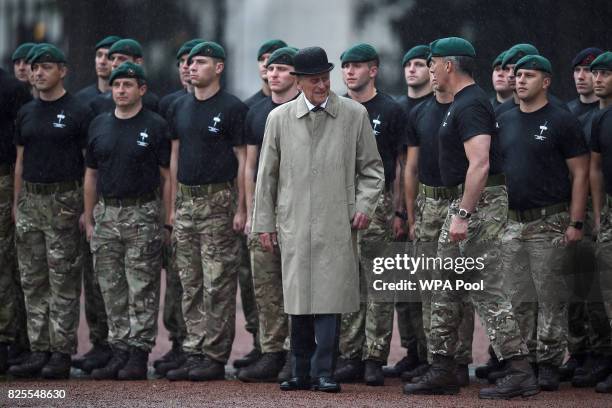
361 52
283 56
269 47
21 52
536 62
32 51
602 62
207 49
47 53
127 70
126 46
518 51
451 47
187 47
419 51
498 60
107 42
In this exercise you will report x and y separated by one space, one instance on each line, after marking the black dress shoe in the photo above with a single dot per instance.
326 384
296 383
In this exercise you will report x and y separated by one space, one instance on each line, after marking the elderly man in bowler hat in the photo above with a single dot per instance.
320 176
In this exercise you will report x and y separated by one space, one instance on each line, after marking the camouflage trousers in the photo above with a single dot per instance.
268 289
173 311
48 251
430 219
534 258
588 328
95 312
126 245
604 257
13 328
483 243
366 334
247 292
207 258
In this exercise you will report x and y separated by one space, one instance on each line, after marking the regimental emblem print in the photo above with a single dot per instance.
143 139
215 124
543 128
59 124
376 124
446 118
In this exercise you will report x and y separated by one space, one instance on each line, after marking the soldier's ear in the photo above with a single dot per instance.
219 67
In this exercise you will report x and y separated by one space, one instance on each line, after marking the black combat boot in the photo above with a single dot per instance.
548 377
493 364
605 386
172 360
567 370
595 369
265 369
408 376
97 357
463 375
171 355
17 355
58 367
247 360
136 366
440 379
519 381
407 363
285 372
182 373
349 371
208 371
373 374
3 358
31 367
111 369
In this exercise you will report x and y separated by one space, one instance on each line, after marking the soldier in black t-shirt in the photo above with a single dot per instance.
208 155
416 75
503 82
546 212
128 153
50 136
587 100
13 334
265 50
103 71
121 51
469 161
601 186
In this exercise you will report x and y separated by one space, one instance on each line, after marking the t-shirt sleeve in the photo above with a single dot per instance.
572 142
163 145
86 120
595 132
90 158
171 120
249 134
237 124
19 138
410 133
398 128
475 119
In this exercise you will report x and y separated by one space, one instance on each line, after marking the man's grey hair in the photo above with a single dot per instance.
462 64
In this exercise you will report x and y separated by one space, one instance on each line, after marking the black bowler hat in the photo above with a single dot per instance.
311 61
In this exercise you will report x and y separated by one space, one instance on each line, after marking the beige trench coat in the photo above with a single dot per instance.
317 169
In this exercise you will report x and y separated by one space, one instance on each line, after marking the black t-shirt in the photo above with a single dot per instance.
53 135
208 130
255 98
601 142
422 130
13 95
535 147
407 103
167 100
388 122
509 104
88 94
104 102
579 108
494 102
470 114
128 153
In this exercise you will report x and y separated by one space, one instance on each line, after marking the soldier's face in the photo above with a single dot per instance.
416 72
315 87
21 70
583 80
439 73
103 64
602 83
118 59
184 70
126 91
47 75
357 75
530 83
500 80
509 70
204 70
261 63
279 78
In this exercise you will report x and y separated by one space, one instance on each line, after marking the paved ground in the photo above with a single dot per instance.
82 392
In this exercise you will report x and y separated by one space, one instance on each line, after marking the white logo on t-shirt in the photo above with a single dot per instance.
59 124
143 139
543 128
376 123
216 121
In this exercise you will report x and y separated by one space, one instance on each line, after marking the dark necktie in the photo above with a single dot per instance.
317 108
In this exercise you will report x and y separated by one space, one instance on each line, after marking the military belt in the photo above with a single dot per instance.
535 214
130 201
5 169
51 188
203 190
439 193
492 181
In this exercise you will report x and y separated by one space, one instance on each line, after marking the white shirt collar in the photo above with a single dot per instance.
311 106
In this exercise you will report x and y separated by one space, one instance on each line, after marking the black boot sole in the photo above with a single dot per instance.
452 390
529 392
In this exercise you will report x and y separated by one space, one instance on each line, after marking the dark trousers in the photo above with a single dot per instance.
314 343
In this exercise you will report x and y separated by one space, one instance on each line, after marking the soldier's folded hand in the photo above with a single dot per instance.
239 221
89 227
458 229
360 221
268 241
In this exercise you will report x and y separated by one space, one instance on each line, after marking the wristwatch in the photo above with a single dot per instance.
402 214
465 214
576 224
